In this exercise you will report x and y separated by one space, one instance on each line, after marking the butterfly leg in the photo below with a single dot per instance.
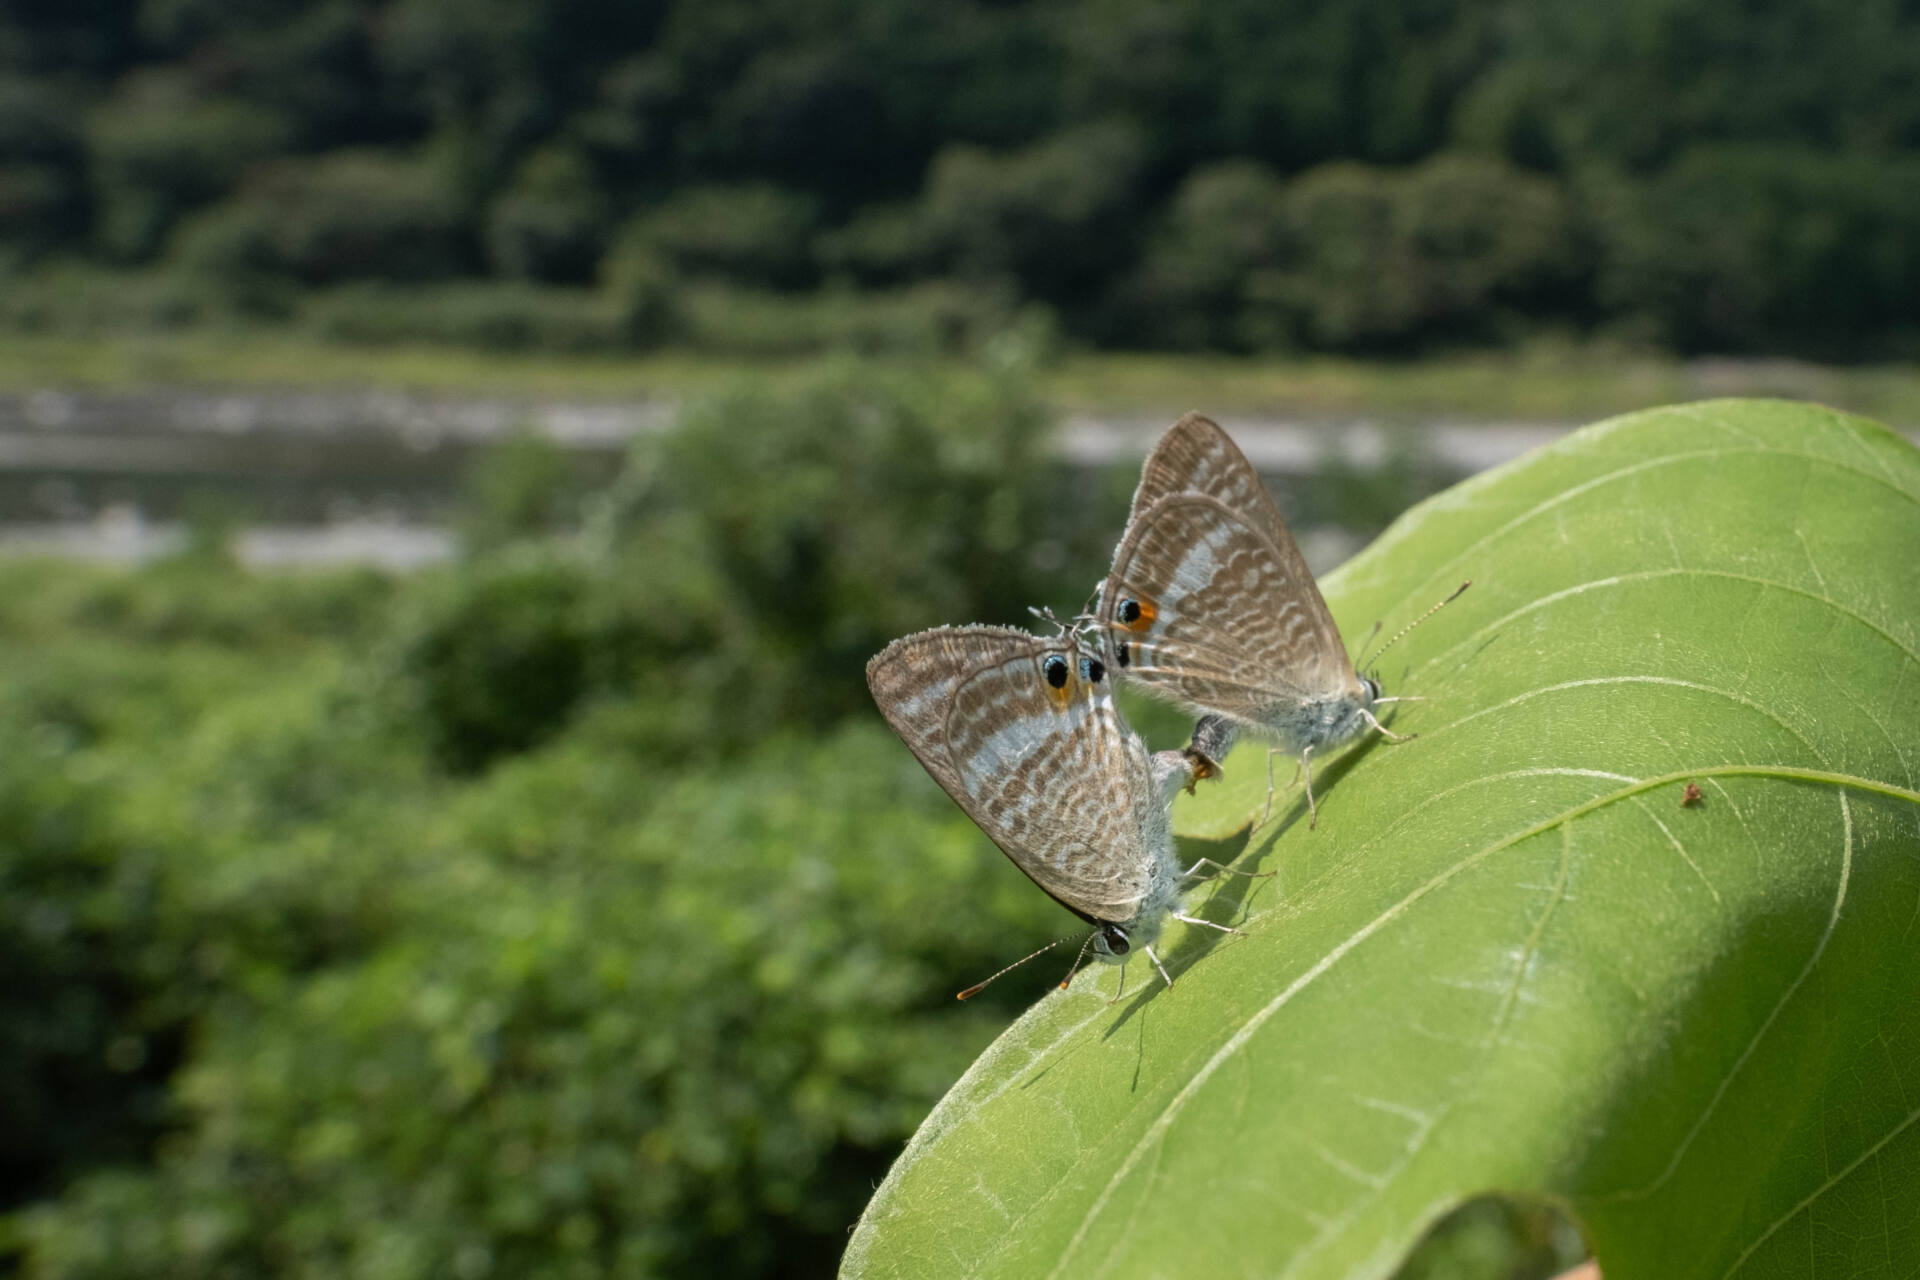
1387 733
1223 867
1306 767
1266 810
1210 924
1156 964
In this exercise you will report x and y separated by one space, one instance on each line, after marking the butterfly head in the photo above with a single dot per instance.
1110 941
1371 684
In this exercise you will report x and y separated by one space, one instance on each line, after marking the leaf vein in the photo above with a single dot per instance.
1726 1081
1554 597
1259 1017
1833 1180
1677 846
1449 568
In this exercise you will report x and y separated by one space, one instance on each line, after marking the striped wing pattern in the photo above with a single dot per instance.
1053 775
1229 617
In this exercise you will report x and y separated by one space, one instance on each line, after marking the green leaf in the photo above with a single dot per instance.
1511 960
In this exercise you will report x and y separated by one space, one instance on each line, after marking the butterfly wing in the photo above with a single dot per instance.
1050 772
1209 602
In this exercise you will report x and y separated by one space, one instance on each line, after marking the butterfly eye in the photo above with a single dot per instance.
1373 688
1116 939
1091 669
1055 669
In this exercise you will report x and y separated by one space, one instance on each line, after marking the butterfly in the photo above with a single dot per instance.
1210 605
1024 734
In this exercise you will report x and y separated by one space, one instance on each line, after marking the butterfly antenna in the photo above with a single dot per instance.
1076 960
978 987
1090 607
1416 622
1045 614
1088 619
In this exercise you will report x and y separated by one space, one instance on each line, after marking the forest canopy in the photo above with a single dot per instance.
1362 175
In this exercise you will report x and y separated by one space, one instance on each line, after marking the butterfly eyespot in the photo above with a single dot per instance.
1055 670
1124 654
1092 669
1136 614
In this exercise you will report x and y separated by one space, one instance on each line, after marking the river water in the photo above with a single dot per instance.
319 477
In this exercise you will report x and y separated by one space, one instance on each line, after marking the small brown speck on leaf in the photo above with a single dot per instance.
1690 798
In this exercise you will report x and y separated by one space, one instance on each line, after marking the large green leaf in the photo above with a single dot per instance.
1511 959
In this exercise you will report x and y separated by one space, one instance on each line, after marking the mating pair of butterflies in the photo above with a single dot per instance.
1208 604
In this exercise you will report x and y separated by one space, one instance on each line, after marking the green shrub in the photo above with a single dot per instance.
79 299
755 233
490 315
357 214
774 540
503 662
1225 223
641 287
526 487
157 150
230 248
37 120
35 201
1493 235
1750 248
548 915
306 64
42 195
931 318
880 245
1378 256
1354 256
83 1070
192 600
622 1029
166 744
551 223
1057 216
582 1015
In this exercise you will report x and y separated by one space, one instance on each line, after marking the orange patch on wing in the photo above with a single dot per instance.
1148 612
1059 695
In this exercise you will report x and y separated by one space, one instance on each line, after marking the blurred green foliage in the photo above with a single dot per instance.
566 912
1354 255
1359 175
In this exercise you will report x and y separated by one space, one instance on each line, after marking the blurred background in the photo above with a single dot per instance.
456 457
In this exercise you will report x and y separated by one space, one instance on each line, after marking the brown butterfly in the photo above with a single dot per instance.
1210 605
1023 733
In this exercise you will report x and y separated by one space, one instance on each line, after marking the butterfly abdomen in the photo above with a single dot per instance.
1317 724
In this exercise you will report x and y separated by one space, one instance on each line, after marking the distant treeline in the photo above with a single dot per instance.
1217 174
